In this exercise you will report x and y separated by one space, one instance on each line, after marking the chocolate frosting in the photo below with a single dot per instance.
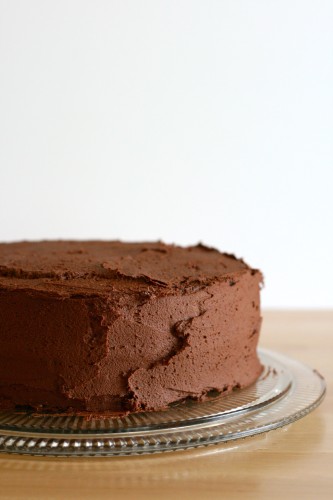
155 263
103 326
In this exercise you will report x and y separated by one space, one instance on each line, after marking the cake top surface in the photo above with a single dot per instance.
157 264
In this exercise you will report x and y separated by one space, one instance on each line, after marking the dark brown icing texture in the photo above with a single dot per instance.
120 327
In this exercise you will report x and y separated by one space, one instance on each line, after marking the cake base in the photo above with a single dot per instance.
286 391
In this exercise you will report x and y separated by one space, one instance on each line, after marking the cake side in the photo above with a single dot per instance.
216 351
136 338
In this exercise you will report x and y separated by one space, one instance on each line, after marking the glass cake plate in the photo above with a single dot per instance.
286 391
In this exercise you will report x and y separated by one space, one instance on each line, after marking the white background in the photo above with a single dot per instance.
178 120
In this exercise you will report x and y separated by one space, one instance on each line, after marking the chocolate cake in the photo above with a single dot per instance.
97 326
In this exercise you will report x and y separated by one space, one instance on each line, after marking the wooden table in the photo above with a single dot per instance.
289 463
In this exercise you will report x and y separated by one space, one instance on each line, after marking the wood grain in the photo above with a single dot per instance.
293 462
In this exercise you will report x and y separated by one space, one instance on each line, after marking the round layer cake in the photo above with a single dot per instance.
106 326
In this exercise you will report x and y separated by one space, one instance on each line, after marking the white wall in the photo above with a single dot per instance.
181 120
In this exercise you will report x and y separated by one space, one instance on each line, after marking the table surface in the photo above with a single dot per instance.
293 462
